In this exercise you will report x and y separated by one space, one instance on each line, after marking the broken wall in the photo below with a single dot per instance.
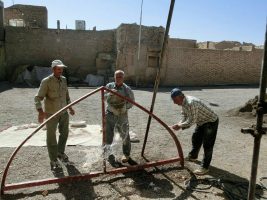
95 52
77 49
175 42
227 44
32 16
140 71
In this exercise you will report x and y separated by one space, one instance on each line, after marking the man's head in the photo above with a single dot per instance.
119 77
57 67
177 96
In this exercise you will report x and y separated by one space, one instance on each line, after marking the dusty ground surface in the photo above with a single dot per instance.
231 159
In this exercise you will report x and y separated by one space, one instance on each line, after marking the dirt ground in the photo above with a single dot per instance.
229 171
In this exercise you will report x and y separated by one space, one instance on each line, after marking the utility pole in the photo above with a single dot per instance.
258 130
156 84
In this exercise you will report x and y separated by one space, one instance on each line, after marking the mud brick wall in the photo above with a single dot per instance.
77 49
127 39
34 16
173 42
193 67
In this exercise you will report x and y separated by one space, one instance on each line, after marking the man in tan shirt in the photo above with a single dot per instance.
54 91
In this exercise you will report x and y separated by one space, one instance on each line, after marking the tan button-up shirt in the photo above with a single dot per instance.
55 93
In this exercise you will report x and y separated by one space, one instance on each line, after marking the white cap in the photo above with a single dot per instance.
57 63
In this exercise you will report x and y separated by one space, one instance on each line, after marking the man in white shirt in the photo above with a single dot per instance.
117 115
196 112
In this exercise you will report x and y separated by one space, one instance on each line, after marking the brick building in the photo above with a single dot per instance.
26 16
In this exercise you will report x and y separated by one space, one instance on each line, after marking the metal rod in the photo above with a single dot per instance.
258 134
103 127
156 84
35 131
177 143
89 176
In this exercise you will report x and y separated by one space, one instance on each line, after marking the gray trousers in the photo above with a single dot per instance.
54 147
122 124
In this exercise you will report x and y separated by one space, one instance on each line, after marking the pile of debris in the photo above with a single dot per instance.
247 110
250 106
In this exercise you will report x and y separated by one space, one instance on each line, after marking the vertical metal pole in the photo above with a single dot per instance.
103 128
139 47
258 134
140 31
58 25
156 84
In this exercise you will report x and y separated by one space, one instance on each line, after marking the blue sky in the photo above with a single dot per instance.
202 20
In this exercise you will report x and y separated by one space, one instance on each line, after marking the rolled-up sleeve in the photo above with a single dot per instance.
67 93
68 97
42 91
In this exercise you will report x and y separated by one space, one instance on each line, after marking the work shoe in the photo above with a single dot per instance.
125 159
113 162
111 158
55 165
189 158
63 157
201 171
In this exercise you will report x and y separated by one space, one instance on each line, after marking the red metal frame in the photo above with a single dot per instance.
12 186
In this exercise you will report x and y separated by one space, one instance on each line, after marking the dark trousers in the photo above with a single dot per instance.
206 135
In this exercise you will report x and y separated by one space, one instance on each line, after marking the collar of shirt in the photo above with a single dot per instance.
57 79
118 87
185 102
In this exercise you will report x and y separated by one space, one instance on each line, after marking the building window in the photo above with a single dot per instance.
16 22
153 61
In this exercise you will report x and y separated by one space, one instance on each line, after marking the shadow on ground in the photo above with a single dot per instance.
158 183
71 191
233 187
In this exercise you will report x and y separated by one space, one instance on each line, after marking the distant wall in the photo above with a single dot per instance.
226 44
191 67
96 52
174 42
33 16
77 49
